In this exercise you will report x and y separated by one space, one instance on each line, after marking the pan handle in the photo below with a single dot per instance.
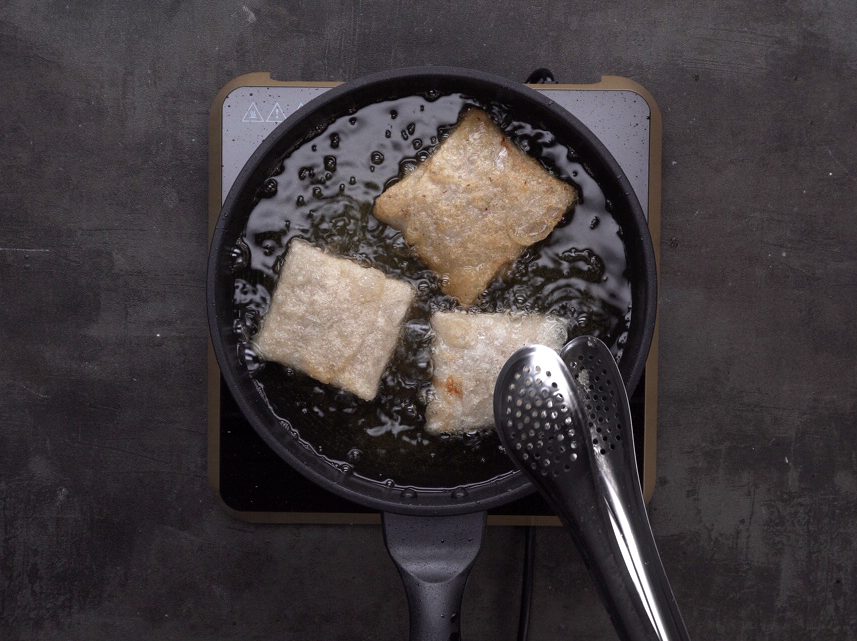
434 555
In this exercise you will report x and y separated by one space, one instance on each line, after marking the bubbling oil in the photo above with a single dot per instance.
323 192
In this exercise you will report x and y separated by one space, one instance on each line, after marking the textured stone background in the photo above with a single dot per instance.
109 529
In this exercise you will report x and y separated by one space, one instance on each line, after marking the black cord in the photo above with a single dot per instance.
527 583
541 76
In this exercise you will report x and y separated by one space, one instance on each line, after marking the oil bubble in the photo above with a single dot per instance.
584 263
269 188
278 263
239 255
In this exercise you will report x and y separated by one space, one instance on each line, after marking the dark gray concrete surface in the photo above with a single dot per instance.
109 528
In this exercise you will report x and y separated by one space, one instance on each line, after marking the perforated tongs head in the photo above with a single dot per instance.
565 421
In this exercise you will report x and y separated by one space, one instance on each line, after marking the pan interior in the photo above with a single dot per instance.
323 192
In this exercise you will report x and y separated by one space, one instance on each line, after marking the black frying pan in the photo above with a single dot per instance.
432 533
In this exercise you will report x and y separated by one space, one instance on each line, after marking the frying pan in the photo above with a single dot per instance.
432 533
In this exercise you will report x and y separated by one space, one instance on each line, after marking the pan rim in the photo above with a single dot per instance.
506 488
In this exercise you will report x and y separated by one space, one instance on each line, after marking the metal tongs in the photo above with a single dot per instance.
565 421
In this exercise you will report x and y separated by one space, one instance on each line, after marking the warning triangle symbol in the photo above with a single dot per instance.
277 114
253 114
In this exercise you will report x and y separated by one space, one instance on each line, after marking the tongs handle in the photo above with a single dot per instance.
614 537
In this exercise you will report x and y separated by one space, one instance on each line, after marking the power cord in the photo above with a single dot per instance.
541 76
527 583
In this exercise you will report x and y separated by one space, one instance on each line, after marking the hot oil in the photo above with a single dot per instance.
324 193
